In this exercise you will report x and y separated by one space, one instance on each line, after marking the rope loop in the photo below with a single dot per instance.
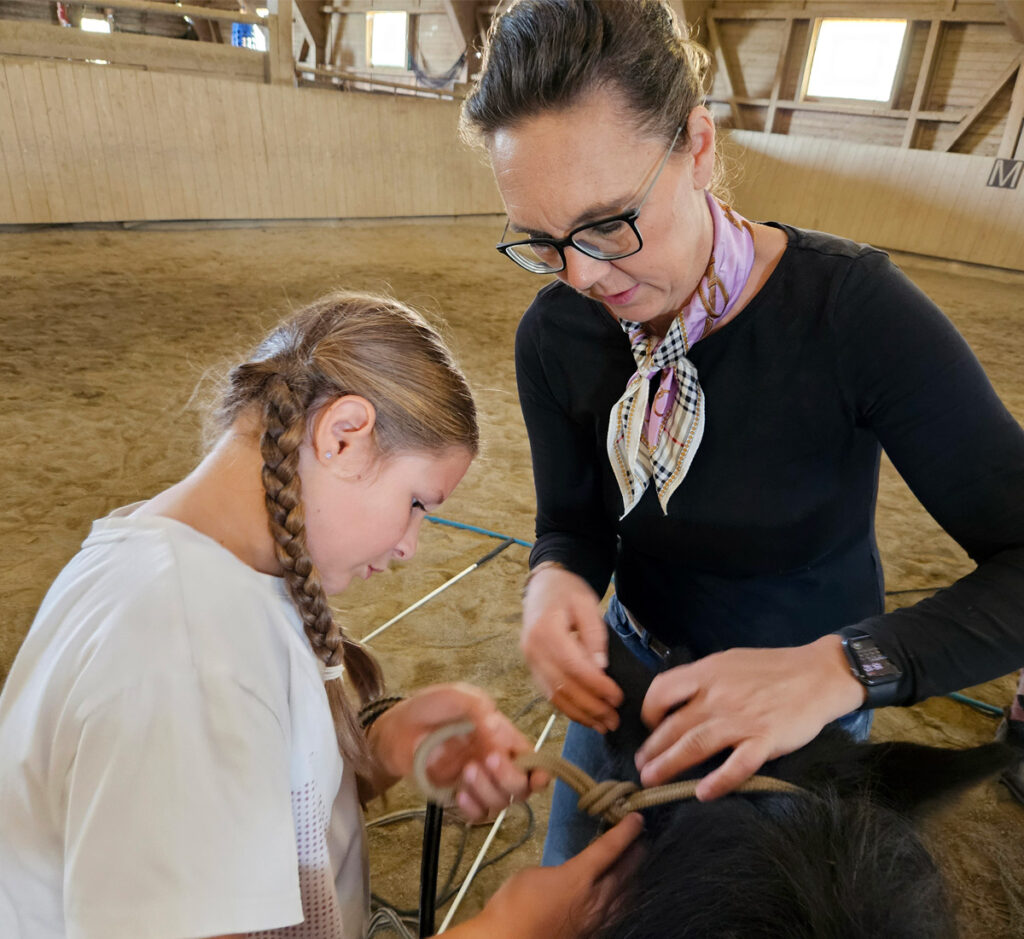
608 799
611 799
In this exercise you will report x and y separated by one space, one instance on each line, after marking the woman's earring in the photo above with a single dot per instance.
328 454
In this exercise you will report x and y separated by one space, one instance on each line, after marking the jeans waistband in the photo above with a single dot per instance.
624 623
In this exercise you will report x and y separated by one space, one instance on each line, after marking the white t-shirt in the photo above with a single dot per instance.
168 764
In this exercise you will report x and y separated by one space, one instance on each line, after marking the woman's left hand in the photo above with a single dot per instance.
479 765
762 703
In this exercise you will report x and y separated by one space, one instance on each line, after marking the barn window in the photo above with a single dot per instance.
387 39
855 58
93 24
248 36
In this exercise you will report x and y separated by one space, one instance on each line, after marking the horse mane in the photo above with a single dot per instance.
840 860
814 865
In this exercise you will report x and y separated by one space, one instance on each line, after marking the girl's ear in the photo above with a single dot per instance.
343 432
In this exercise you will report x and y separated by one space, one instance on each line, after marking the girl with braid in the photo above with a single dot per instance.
178 754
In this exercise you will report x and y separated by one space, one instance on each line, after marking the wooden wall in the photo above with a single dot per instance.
86 143
91 143
29 39
955 90
936 204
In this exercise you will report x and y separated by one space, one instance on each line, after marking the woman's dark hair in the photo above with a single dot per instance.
545 55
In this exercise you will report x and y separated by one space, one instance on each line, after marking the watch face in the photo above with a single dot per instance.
872 662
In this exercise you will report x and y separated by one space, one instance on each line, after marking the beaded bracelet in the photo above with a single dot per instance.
370 711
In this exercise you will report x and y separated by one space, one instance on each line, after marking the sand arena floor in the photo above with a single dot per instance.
106 334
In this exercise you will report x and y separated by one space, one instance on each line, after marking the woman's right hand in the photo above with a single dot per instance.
565 642
558 902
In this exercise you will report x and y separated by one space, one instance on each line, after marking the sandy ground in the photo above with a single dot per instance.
106 334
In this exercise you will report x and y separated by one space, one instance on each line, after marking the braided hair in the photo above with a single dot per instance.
344 343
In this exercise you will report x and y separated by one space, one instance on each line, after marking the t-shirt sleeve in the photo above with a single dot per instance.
915 382
179 820
572 520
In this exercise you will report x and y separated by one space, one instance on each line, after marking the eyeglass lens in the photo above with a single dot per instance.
604 241
607 240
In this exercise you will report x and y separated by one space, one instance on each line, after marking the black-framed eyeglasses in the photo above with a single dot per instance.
607 239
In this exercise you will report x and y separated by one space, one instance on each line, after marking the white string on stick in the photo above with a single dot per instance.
409 609
433 593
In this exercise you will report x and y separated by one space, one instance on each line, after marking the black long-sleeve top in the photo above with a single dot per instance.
769 540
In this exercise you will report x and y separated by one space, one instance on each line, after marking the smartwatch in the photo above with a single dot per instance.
878 674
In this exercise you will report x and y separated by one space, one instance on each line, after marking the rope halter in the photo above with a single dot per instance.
611 799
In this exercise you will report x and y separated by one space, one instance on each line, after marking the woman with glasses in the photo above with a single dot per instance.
707 399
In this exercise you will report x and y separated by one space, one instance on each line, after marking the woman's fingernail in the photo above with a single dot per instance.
493 761
471 772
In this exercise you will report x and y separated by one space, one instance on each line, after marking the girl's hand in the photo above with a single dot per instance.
761 702
565 643
557 902
480 765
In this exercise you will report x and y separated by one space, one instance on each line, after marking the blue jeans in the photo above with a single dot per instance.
569 830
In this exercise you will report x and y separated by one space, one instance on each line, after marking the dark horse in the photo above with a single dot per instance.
839 861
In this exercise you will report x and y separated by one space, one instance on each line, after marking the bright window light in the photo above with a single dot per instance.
856 59
387 38
93 24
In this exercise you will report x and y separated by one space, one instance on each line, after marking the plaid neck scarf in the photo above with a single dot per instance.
659 440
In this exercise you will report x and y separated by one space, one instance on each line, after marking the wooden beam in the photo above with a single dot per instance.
1013 15
153 53
462 17
355 77
280 60
924 80
722 65
483 19
397 6
181 9
694 14
850 108
780 71
781 11
315 19
338 20
986 100
1012 141
204 30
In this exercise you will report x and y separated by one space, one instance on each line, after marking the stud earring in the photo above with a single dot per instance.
328 454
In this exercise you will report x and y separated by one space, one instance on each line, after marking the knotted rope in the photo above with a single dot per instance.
611 799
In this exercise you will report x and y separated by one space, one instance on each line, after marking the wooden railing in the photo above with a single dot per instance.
40 40
357 78
275 66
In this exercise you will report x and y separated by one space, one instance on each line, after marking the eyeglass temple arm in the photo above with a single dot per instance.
661 166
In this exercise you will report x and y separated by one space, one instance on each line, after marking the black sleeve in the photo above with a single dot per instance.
572 524
917 385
